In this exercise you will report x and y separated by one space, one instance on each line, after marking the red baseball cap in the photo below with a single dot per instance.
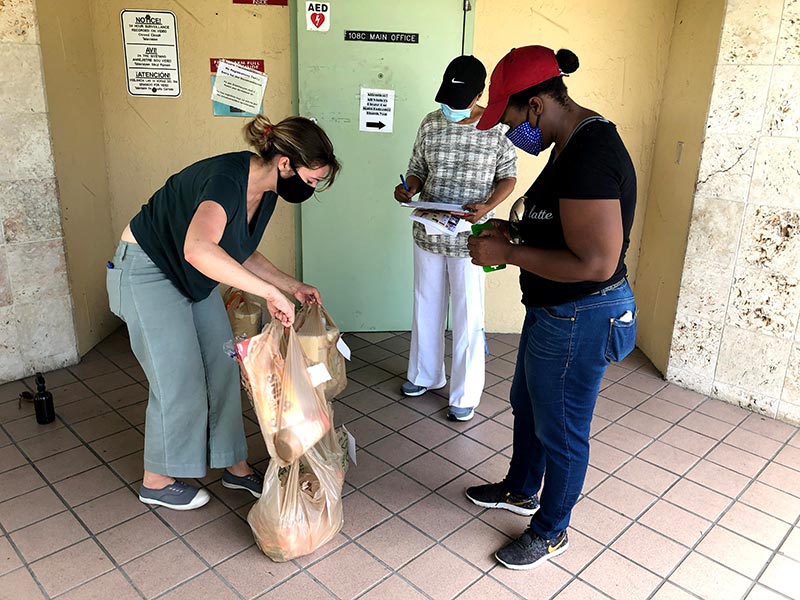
518 70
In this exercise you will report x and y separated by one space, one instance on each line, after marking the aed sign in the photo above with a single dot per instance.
318 16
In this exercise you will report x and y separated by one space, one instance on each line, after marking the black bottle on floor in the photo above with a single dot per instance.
43 402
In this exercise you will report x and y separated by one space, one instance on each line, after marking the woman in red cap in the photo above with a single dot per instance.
569 240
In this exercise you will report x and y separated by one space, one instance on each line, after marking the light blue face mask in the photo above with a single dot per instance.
455 115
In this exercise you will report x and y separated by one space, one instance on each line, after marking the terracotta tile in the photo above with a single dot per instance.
111 585
723 411
498 347
395 491
337 542
633 389
29 508
70 392
109 381
578 590
738 460
232 498
130 467
649 549
372 354
299 587
668 457
622 497
13 411
369 469
755 525
21 585
582 551
598 424
45 445
342 413
644 423
464 452
395 449
9 559
100 426
73 566
81 410
66 464
48 536
395 542
431 470
646 476
675 523
361 513
184 521
19 481
221 539
88 485
4 439
391 388
495 400
135 415
500 367
427 404
109 510
718 478
454 492
394 364
118 445
369 375
708 426
436 516
605 457
92 367
492 469
366 431
791 547
734 551
795 441
163 568
781 576
394 588
624 439
619 577
775 502
505 522
616 372
670 591
664 409
697 499
789 457
782 478
761 593
770 428
54 379
440 574
348 571
125 396
22 429
596 521
543 582
594 477
708 579
252 573
476 542
492 434
679 395
608 409
206 585
396 416
133 538
752 442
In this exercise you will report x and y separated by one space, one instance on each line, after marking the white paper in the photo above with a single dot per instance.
319 374
443 206
239 86
343 348
376 113
150 41
351 446
318 16
626 317
437 222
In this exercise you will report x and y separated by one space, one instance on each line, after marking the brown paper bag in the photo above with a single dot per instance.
318 335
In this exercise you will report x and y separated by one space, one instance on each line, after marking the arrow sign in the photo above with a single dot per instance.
378 124
376 112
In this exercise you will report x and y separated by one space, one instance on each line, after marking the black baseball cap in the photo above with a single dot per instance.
464 78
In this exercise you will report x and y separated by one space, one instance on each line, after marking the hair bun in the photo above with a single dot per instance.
567 61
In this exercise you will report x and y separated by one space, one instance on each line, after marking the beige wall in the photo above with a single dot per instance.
679 139
624 52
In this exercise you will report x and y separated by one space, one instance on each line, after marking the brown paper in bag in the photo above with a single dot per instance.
318 335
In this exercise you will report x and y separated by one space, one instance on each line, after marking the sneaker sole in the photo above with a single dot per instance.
236 486
525 512
425 391
452 417
191 506
533 565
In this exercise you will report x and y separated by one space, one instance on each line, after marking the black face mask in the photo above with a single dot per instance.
293 189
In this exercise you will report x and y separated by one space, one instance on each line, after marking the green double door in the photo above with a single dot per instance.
356 242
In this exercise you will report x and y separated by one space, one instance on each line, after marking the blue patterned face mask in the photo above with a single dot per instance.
527 138
455 115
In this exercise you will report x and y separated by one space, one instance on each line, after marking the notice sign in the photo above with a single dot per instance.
150 39
392 37
318 16
223 110
377 111
263 2
239 87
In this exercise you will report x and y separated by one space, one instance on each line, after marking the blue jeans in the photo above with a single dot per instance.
563 354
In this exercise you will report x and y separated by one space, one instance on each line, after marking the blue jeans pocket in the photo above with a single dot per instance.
621 338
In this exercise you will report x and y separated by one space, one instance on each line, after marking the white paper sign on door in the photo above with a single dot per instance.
318 16
239 86
377 111
150 39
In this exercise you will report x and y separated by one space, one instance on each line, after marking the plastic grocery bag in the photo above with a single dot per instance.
318 335
292 413
300 508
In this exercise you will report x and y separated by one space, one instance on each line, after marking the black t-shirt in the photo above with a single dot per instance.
160 227
593 165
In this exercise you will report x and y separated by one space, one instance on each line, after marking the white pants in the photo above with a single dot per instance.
435 278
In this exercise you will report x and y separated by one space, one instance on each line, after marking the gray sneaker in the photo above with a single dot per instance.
177 496
529 550
253 483
455 413
410 389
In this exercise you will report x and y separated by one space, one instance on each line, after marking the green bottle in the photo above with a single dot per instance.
476 230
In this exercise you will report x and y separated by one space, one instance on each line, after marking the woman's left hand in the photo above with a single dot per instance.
307 294
477 210
491 248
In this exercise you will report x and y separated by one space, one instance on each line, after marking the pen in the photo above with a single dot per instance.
403 181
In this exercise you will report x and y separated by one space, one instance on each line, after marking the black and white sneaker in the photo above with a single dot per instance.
494 495
530 550
177 496
253 483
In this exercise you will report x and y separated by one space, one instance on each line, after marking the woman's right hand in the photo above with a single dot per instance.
401 194
280 307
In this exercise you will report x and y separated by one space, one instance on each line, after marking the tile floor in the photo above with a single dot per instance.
685 497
